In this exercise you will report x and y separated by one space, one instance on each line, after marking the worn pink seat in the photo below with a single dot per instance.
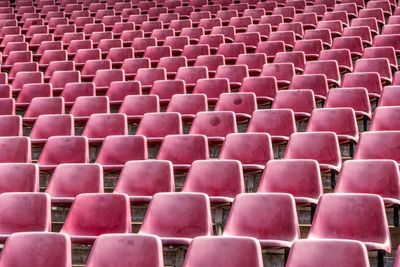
182 150
15 149
217 251
369 80
155 126
253 150
301 101
389 96
63 149
379 65
385 119
355 98
221 180
327 252
19 177
85 106
126 249
17 215
158 176
297 58
51 125
212 88
315 82
320 146
64 185
135 106
265 88
117 149
299 177
328 67
99 126
349 216
178 217
10 125
283 72
243 104
274 221
188 105
47 250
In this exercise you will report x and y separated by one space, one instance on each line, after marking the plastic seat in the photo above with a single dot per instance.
52 55
297 58
311 48
48 249
336 214
301 101
99 126
253 150
75 150
117 150
369 80
212 62
231 51
265 88
315 82
74 90
215 125
191 52
58 66
149 125
117 246
335 26
30 91
182 150
25 177
85 106
51 125
18 56
159 178
188 105
166 89
273 231
288 37
328 252
379 52
254 62
214 251
228 32
64 187
16 149
172 64
60 78
342 56
319 34
263 29
94 214
215 185
321 146
190 75
193 210
283 72
356 98
43 105
379 65
91 66
103 78
24 220
281 124
234 73
24 77
132 65
83 55
76 45
135 106
118 90
147 77
243 104
10 125
390 40
301 178
371 22
389 96
328 67
363 32
155 53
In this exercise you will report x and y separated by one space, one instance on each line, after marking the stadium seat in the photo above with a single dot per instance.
74 90
135 106
389 96
385 119
217 251
301 101
10 125
99 126
64 187
85 106
147 77
46 126
15 149
243 104
60 78
212 88
281 124
30 91
356 98
94 214
47 249
369 80
315 82
342 56
283 72
182 150
17 215
273 231
155 126
19 177
188 105
328 67
327 252
123 249
170 214
212 177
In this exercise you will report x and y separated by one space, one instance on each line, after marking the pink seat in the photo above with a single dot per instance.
215 125
328 67
320 146
60 78
265 88
297 58
231 51
342 56
158 178
319 34
166 89
43 105
91 66
379 65
155 53
94 214
338 213
21 66
118 149
135 106
188 105
301 101
301 178
212 177
370 22
316 82
288 37
254 62
150 125
270 48
16 149
99 126
389 96
170 214
212 62
379 52
51 125
234 73
22 78
85 106
281 123
58 66
172 64
48 249
75 149
17 215
243 104
250 39
214 251
327 252
190 75
283 72
132 65
182 150
74 90
103 78
191 52
253 150
341 121
118 90
114 248
30 91
147 77
273 231
369 80
391 40
64 187
356 98
295 27
25 177
364 32
10 125
353 43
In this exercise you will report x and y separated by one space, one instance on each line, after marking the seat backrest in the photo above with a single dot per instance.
378 145
103 125
25 177
215 123
15 149
52 125
281 122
